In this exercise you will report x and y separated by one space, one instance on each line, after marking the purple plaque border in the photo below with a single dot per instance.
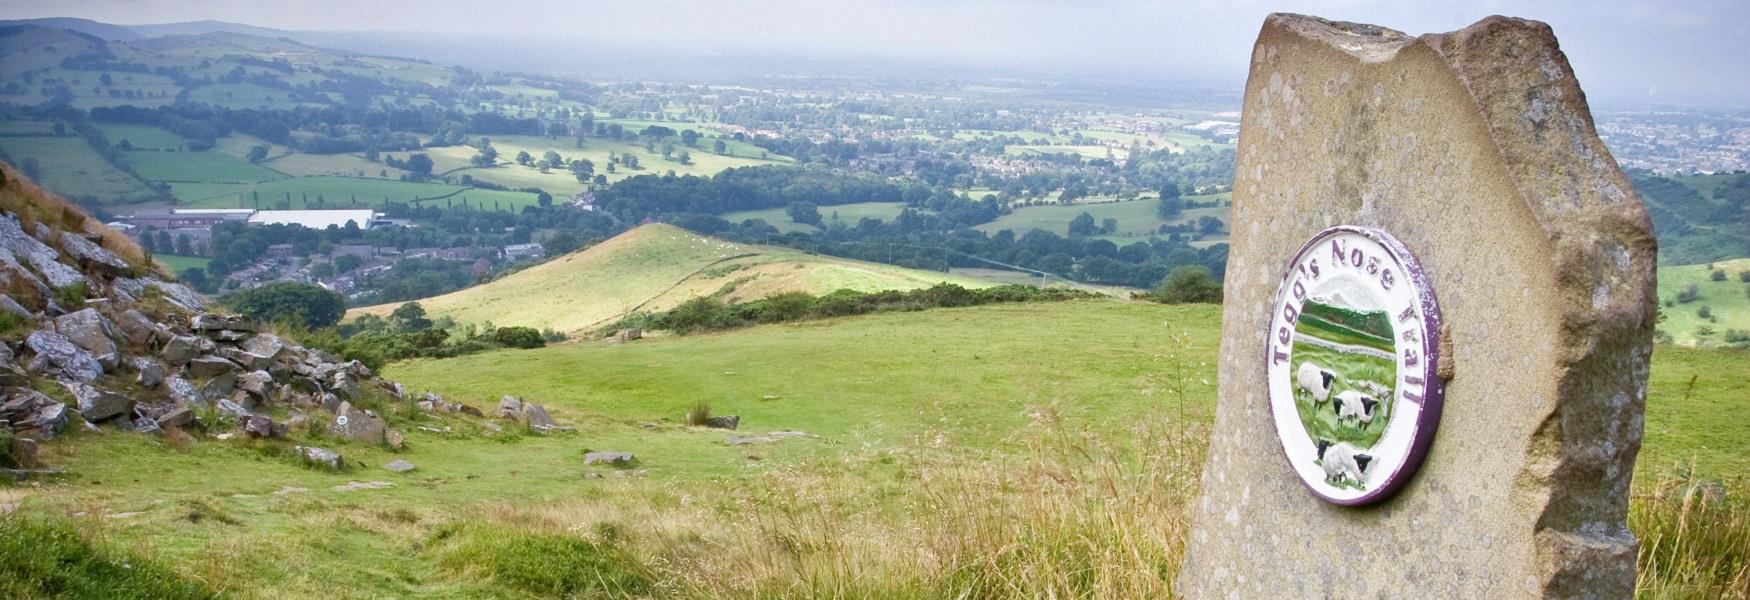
1433 401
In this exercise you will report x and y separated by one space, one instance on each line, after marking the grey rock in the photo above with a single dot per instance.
537 417
127 289
23 452
250 361
209 366
613 459
181 391
179 417
331 402
10 306
178 350
723 422
218 387
265 345
509 407
151 372
91 256
356 424
233 410
99 405
399 466
179 294
62 357
39 256
209 322
345 385
147 425
32 412
137 330
258 426
258 383
394 439
327 459
92 331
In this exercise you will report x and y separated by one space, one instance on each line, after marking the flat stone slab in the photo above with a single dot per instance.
1476 150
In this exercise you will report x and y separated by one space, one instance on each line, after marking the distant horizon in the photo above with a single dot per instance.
1631 54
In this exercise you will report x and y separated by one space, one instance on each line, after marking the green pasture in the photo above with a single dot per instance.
1137 219
1320 419
211 166
845 214
342 192
175 264
343 165
1727 303
1090 152
10 127
141 137
68 166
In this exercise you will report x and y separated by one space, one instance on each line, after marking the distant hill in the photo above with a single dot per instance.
1698 218
657 267
128 33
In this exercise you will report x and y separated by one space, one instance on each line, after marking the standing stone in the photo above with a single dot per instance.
1476 150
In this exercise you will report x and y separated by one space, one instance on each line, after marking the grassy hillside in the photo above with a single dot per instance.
847 214
1726 302
1058 454
1136 218
656 267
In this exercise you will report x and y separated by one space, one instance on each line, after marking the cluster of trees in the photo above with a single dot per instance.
710 314
408 332
300 306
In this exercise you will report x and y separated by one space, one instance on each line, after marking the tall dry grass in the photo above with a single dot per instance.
1695 537
1072 517
31 204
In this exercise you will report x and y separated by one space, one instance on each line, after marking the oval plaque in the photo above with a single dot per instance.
1351 354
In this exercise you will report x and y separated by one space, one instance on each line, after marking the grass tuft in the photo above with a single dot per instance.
699 414
42 558
1695 537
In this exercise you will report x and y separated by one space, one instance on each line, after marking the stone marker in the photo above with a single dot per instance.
1473 154
616 459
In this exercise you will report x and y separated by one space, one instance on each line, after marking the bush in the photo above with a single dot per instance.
518 337
1744 276
699 414
1189 284
306 306
1717 275
1689 294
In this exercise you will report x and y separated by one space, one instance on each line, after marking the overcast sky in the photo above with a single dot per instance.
1680 51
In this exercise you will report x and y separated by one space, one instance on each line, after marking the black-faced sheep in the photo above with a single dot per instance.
1341 460
1316 380
1355 406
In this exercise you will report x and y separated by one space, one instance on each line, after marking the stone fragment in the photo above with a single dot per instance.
39 256
58 356
92 257
537 418
257 383
394 439
265 345
219 387
32 413
135 328
147 425
97 405
353 486
1476 150
258 426
357 425
12 307
90 330
151 372
180 417
178 350
250 361
181 391
208 323
723 422
612 459
178 294
399 466
509 407
209 366
319 457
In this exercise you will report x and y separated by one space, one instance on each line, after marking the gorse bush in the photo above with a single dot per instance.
711 314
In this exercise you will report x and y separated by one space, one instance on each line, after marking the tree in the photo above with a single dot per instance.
805 213
419 164
657 132
183 246
1189 284
303 305
1082 225
1170 204
257 153
544 199
347 262
553 158
518 337
689 137
409 317
720 147
523 158
583 169
684 158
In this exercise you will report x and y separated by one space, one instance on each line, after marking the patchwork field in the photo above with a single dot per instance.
1725 302
68 166
141 137
455 160
340 192
653 268
206 166
845 214
1137 219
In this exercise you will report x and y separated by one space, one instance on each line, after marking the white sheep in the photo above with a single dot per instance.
1355 406
1341 460
1316 380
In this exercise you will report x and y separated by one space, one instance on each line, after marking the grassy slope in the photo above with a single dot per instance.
885 394
71 168
654 266
1728 300
1136 218
848 214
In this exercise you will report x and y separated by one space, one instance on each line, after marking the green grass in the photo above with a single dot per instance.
68 166
26 127
454 160
1728 301
206 166
1696 400
339 192
847 214
175 264
142 137
1136 218
53 559
654 268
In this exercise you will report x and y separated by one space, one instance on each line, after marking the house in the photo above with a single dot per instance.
315 219
522 251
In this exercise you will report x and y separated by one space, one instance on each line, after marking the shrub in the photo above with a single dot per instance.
1744 276
1689 294
548 564
1717 275
1705 313
699 414
305 306
1189 284
518 337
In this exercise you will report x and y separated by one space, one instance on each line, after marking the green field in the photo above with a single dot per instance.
141 137
846 214
656 267
1136 218
1728 302
206 166
339 192
453 161
175 264
1082 416
69 167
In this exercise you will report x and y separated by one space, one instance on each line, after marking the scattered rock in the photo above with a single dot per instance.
208 323
509 407
29 412
627 335
40 257
394 439
23 452
181 391
266 345
724 422
179 417
537 418
8 305
209 366
327 459
352 486
91 256
97 405
135 329
258 426
151 372
613 459
180 349
90 330
357 425
399 466
59 356
250 361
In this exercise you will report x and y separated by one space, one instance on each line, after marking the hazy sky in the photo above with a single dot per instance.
1673 51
